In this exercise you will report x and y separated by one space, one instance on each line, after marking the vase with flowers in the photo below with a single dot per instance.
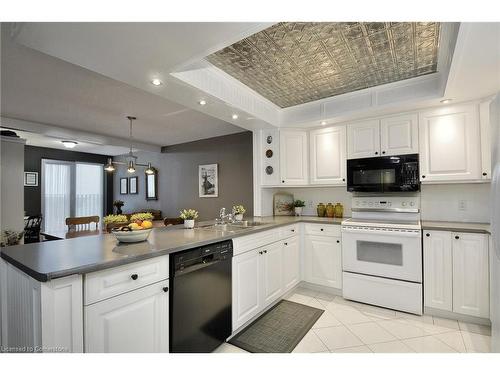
238 212
298 206
189 215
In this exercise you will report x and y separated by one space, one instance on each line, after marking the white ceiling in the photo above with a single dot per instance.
40 140
40 88
135 53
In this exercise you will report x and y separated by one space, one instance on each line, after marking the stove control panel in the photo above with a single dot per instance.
386 203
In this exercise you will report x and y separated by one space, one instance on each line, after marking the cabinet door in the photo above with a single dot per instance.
363 139
291 262
438 270
272 272
246 287
485 128
323 261
399 135
328 156
293 157
134 322
471 274
449 144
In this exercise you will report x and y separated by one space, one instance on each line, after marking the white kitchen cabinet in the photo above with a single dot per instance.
471 274
438 270
323 261
272 272
363 139
328 155
450 147
246 287
291 263
293 157
399 135
134 322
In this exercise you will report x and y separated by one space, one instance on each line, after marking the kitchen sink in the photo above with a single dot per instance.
231 227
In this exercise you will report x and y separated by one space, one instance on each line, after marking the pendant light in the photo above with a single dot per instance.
131 164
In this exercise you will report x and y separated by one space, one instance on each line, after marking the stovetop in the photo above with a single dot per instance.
383 223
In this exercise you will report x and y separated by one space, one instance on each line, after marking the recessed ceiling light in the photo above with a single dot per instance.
444 101
69 144
156 82
202 102
323 122
234 116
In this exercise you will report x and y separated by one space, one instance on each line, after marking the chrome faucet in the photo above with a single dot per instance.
223 217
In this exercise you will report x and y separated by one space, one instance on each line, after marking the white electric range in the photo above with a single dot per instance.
382 252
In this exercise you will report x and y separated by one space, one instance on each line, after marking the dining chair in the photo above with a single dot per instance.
32 225
82 223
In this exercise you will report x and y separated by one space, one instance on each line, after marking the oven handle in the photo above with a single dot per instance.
402 233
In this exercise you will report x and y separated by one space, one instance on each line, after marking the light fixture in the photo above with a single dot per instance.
234 116
69 144
323 122
109 167
131 163
131 167
202 102
149 169
444 101
156 82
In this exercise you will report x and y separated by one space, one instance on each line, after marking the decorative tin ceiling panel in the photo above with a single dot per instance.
293 63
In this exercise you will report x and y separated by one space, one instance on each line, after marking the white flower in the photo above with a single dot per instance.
188 214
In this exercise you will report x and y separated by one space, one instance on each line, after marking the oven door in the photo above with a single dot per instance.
386 252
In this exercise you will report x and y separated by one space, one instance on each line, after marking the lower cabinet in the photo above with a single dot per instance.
133 322
291 263
323 261
456 272
263 275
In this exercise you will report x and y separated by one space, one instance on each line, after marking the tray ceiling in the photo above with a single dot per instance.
292 63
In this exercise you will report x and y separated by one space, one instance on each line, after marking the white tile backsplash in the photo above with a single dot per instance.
438 202
443 202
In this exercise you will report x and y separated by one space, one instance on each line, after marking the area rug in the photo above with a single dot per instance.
279 330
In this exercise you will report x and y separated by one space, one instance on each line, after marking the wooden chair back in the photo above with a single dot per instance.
82 223
172 221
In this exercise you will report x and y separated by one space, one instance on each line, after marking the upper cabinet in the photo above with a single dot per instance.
363 139
328 155
450 148
293 157
399 135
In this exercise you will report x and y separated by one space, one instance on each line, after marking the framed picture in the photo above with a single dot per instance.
124 185
133 187
152 186
208 181
30 178
282 204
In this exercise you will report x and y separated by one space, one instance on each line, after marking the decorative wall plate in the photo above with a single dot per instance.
269 153
269 170
269 139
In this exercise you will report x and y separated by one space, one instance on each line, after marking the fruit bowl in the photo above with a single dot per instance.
132 235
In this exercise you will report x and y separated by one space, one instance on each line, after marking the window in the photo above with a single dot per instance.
70 189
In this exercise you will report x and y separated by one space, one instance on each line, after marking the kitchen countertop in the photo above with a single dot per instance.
54 259
456 226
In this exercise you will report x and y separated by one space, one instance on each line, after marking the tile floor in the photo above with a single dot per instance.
351 327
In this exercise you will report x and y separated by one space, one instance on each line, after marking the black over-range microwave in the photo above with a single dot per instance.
383 174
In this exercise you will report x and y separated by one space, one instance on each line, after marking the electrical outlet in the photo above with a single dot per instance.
462 205
310 203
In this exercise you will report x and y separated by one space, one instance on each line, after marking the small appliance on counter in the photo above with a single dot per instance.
382 252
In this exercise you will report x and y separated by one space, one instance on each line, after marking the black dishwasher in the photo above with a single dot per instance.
200 298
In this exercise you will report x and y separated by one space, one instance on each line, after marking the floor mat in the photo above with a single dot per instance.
279 330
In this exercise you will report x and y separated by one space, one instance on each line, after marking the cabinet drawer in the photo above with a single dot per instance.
289 231
323 229
245 243
108 283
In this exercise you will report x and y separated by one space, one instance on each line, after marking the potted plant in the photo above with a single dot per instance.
238 211
118 204
189 215
114 221
10 238
298 205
